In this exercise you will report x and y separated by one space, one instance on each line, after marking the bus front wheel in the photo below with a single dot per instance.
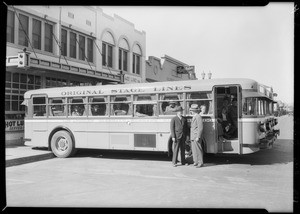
62 144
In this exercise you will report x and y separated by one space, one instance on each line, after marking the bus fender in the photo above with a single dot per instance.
59 128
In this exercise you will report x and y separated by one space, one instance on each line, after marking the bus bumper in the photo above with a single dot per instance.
268 141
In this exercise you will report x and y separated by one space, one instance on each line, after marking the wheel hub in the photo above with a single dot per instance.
62 144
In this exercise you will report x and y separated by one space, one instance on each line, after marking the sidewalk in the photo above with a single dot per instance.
17 155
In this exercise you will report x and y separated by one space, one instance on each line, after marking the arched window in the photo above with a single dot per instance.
107 49
136 59
123 55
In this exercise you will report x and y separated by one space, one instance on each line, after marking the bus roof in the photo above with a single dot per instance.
154 87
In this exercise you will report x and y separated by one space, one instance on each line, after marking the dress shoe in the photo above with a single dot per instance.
199 166
174 165
195 164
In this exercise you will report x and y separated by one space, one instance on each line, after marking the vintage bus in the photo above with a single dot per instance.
137 116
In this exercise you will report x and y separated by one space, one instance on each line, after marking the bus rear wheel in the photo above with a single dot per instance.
62 144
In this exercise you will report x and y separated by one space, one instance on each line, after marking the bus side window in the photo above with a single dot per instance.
76 107
144 106
171 101
57 107
39 106
203 100
98 106
120 105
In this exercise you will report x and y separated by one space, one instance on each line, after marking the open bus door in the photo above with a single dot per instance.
227 109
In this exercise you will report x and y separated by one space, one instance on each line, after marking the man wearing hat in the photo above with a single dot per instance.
196 136
179 130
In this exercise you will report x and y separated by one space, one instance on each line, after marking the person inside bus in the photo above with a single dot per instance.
98 110
170 109
76 111
203 109
223 115
41 111
233 119
139 112
118 110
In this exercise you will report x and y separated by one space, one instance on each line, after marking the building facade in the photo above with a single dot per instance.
168 69
68 46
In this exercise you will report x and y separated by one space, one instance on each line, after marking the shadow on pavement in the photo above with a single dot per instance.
116 154
280 154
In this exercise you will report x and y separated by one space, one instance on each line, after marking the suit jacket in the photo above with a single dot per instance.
196 127
179 128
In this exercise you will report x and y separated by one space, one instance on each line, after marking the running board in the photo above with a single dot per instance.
229 146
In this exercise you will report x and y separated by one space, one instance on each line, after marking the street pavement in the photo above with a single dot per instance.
95 178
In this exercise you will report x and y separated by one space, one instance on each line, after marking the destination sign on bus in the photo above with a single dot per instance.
126 90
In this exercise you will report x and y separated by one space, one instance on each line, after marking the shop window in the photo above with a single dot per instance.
72 45
123 60
81 47
23 30
10 27
90 50
107 55
36 34
64 42
48 37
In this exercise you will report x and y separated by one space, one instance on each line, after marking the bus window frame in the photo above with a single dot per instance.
161 100
64 104
210 111
106 102
130 105
152 101
70 103
31 113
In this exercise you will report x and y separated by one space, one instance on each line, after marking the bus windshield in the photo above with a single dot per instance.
254 106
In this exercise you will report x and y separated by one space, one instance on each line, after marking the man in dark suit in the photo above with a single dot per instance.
179 130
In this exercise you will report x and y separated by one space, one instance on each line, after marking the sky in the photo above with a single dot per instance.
230 42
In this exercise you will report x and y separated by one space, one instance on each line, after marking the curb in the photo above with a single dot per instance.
29 159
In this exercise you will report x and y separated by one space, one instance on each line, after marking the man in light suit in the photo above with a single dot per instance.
196 136
179 130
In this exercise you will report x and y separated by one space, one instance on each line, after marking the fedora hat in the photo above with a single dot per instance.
194 107
178 108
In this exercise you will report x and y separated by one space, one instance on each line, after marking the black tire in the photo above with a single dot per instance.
62 144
